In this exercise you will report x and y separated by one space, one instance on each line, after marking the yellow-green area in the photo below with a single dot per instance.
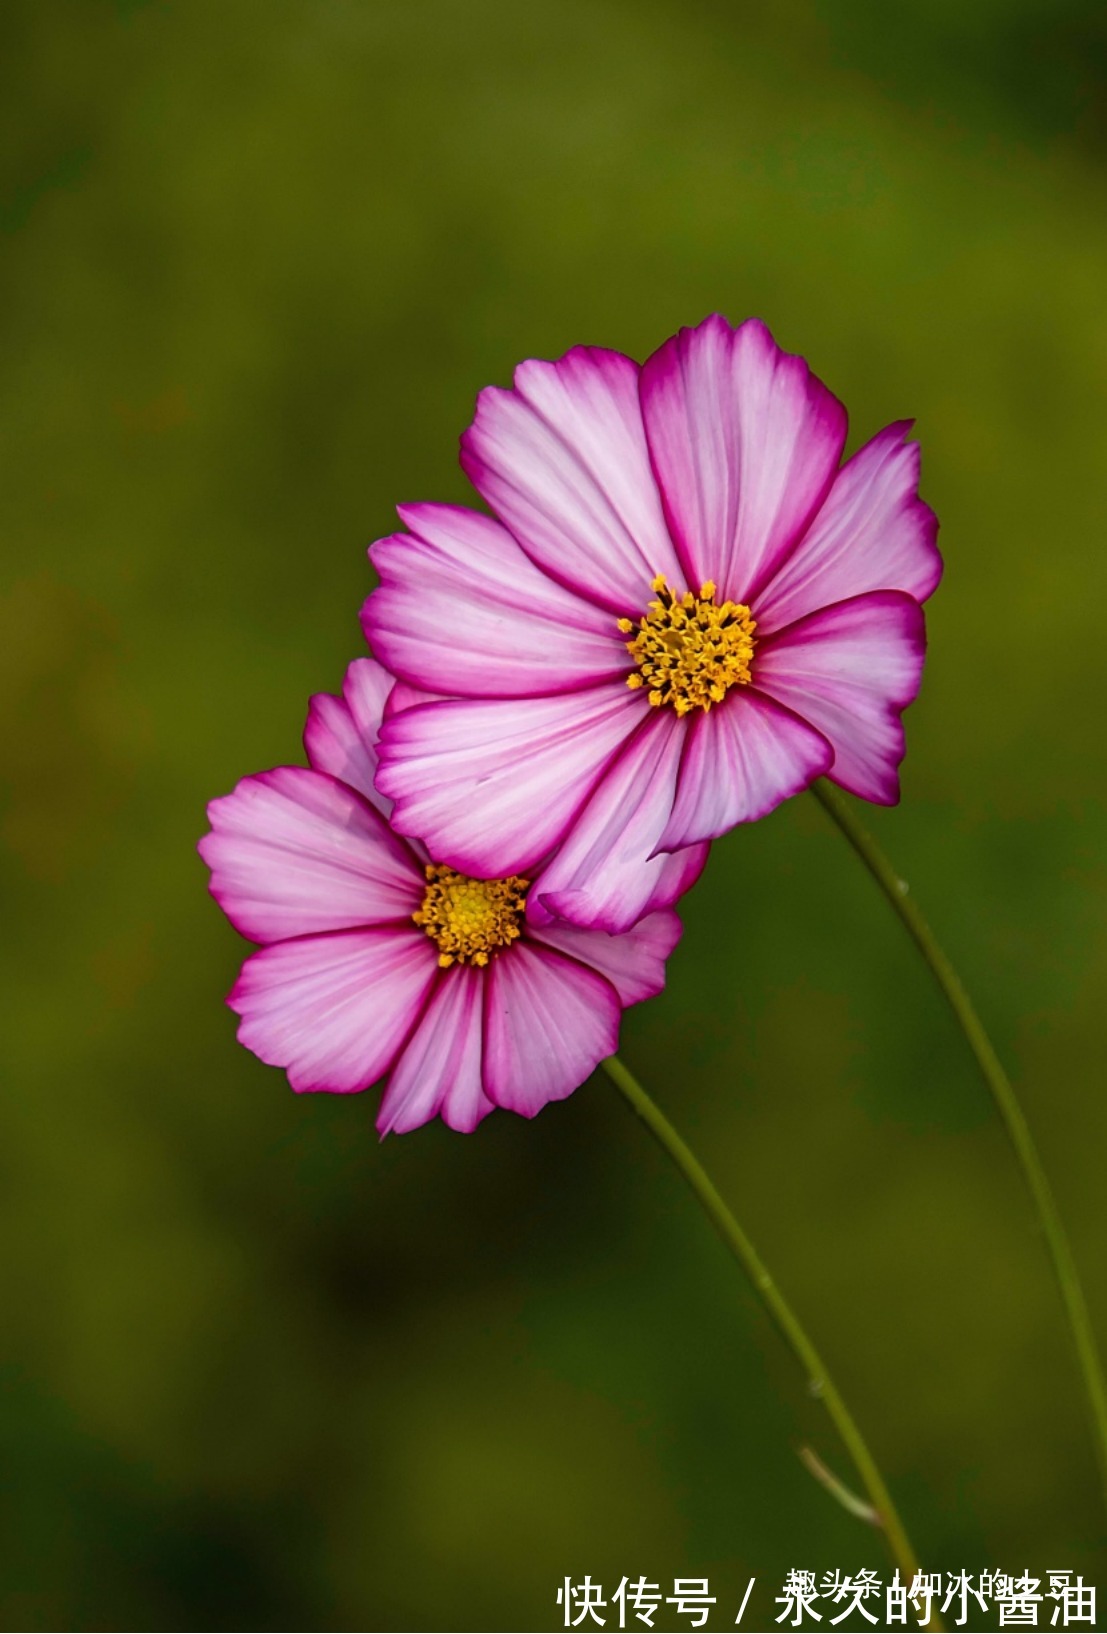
256 259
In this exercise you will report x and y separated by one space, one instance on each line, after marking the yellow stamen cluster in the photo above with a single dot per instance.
470 919
689 651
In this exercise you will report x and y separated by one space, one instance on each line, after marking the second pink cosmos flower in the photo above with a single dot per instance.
376 962
686 611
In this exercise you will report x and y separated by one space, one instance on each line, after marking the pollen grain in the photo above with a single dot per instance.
690 650
470 919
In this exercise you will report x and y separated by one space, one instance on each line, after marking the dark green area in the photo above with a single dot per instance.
257 259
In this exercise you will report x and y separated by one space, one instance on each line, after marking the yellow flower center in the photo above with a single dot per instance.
689 651
470 919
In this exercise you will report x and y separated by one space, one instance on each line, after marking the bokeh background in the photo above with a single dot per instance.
259 1370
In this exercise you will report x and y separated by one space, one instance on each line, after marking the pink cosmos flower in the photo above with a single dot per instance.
377 961
685 611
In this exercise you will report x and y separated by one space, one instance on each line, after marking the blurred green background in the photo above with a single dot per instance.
257 258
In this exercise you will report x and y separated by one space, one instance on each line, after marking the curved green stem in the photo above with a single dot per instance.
819 1380
1064 1266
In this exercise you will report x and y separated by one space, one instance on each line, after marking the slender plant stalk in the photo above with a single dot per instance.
819 1380
1064 1266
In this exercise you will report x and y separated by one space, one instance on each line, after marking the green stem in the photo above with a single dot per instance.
1072 1294
819 1380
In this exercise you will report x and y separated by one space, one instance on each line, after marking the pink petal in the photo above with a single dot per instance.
680 871
548 1022
633 963
462 610
334 1010
745 442
872 533
491 785
850 670
404 697
741 759
440 1068
605 875
562 460
293 852
341 733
